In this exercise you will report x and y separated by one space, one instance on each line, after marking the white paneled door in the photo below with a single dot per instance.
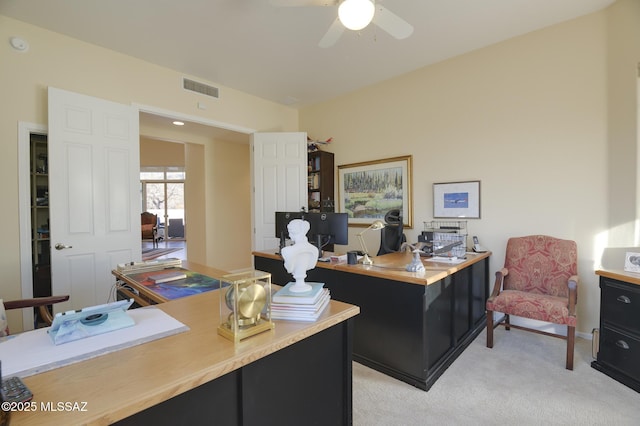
94 173
279 181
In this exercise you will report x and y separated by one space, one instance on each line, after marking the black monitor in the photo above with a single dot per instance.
324 228
282 220
328 228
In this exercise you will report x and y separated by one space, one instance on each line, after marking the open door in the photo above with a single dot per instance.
279 181
94 164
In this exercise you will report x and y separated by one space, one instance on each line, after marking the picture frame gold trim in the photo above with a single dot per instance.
369 189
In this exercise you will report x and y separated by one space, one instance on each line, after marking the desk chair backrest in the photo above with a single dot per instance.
540 264
392 235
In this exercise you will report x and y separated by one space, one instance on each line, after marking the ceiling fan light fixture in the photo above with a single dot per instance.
356 14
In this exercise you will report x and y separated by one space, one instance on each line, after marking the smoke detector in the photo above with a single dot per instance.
19 44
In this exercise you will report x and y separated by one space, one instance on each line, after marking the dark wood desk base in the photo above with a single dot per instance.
309 382
619 337
408 331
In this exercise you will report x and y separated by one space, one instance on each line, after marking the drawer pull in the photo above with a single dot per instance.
622 344
623 299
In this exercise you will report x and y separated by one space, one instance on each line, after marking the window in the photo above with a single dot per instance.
162 191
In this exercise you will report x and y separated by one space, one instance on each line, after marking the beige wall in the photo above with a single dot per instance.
66 63
228 203
195 206
623 48
527 117
155 152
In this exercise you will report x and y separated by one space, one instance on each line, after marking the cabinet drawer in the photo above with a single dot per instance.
621 305
621 351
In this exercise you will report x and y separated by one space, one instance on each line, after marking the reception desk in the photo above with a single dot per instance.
295 374
411 326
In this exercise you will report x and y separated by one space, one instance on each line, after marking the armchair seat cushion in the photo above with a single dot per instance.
532 305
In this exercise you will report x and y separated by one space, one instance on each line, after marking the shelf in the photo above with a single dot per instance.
40 244
320 184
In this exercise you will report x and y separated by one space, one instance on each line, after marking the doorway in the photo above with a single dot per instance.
163 195
152 123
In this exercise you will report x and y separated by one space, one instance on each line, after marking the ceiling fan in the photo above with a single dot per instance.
363 11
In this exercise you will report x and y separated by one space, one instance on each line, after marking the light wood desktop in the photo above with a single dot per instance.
392 266
128 381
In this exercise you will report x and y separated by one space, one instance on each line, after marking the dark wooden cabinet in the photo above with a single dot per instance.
409 331
321 181
40 242
619 337
309 382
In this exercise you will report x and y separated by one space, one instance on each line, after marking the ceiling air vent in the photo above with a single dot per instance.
204 89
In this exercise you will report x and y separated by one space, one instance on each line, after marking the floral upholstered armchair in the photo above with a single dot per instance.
538 281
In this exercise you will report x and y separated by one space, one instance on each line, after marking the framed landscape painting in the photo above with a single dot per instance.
368 190
456 199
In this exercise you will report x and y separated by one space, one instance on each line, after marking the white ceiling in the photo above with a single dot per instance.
272 52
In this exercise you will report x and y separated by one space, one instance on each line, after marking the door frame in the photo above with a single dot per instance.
191 118
25 129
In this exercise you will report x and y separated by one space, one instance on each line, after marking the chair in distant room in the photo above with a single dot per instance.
392 236
176 228
42 303
149 227
538 281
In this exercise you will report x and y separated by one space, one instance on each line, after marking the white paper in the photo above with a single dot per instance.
442 259
33 352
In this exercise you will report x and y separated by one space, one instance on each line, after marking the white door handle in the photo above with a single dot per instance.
60 246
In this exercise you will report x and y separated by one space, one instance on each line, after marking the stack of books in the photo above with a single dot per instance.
307 306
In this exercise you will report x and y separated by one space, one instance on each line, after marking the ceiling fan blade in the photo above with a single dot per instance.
392 23
332 35
302 3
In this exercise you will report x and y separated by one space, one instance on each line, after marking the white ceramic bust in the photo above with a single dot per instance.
301 256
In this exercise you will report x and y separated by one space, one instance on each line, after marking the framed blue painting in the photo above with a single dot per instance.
456 199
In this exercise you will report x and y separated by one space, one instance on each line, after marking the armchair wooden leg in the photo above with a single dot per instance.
45 314
507 322
490 329
571 339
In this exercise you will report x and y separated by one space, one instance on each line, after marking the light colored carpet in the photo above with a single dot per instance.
522 381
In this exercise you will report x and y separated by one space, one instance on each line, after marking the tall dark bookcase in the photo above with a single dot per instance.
321 181
40 242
